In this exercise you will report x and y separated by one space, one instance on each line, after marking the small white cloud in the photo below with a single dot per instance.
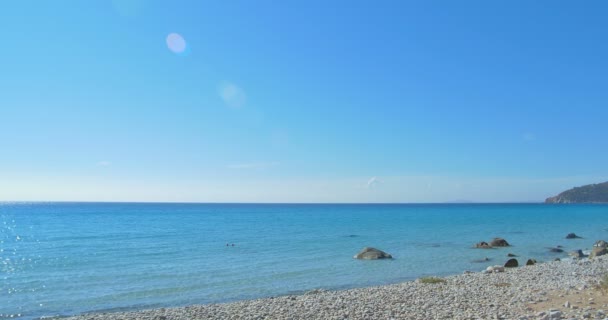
232 95
373 182
258 165
104 163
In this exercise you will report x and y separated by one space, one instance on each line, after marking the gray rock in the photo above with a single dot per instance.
555 314
511 263
369 253
572 236
499 242
601 244
483 245
531 262
598 251
495 269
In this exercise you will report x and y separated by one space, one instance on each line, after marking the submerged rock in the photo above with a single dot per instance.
556 250
511 255
486 259
499 242
369 253
572 236
511 263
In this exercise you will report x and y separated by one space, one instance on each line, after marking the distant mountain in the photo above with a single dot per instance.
591 193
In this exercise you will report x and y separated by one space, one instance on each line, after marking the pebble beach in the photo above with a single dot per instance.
526 292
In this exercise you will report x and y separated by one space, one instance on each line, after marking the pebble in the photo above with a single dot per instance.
468 296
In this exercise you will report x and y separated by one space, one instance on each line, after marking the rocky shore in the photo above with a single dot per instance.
553 290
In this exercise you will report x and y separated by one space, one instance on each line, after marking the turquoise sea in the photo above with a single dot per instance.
70 258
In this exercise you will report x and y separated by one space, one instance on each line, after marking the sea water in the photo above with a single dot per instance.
70 258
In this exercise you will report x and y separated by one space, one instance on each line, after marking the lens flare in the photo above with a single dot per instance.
176 43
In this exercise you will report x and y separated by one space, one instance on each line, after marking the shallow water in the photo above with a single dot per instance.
68 258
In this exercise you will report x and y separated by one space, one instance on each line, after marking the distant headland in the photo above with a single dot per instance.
591 193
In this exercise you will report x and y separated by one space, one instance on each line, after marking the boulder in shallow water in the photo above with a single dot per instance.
499 242
511 263
483 245
510 255
556 250
486 259
369 253
598 251
601 244
531 262
572 236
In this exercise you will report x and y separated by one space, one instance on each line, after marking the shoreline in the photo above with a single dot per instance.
516 293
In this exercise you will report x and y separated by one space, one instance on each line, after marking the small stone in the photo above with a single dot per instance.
567 304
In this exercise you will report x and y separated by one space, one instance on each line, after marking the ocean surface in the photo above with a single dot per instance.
70 258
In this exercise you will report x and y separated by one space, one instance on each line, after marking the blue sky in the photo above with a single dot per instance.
301 101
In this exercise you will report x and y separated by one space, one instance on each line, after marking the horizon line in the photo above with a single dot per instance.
269 203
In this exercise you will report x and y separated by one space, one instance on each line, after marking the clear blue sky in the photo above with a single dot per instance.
302 101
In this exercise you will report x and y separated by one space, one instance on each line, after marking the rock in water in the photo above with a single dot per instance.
598 251
483 245
369 253
556 250
572 236
601 244
510 255
499 242
531 262
577 254
511 263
